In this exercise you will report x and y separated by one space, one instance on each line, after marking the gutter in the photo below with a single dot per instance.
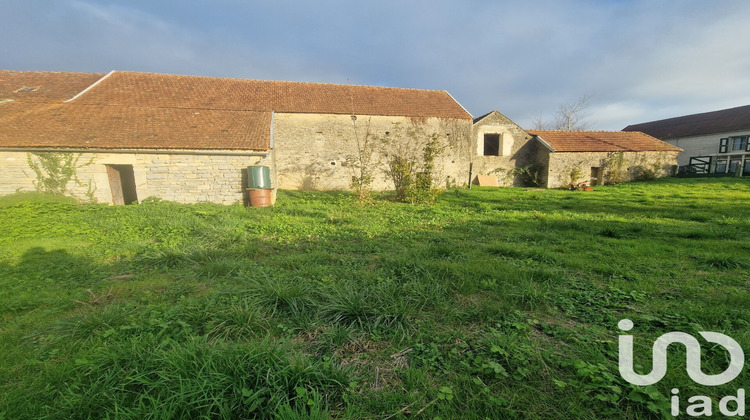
136 151
90 87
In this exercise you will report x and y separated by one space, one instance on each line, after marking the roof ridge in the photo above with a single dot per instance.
719 121
283 81
690 115
577 131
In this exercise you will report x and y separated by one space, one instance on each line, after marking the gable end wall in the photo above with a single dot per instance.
518 149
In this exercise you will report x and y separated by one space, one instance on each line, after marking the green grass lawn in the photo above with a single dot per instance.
492 303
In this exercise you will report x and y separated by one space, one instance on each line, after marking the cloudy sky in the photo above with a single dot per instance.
641 60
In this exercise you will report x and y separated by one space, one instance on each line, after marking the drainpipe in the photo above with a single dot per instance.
274 167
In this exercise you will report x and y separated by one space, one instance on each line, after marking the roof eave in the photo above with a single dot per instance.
545 144
459 104
181 151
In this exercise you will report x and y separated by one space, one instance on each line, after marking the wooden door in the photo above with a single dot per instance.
115 185
597 173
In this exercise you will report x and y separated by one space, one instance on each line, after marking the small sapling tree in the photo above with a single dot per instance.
363 162
410 157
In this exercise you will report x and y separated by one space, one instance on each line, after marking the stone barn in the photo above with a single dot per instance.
122 137
128 136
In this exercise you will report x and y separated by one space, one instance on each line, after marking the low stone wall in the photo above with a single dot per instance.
180 176
567 167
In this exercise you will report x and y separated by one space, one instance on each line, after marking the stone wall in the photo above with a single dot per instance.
517 150
319 151
567 167
181 176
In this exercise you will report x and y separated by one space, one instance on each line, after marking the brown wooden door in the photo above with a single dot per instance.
115 185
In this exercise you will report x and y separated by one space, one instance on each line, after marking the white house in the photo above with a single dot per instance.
713 142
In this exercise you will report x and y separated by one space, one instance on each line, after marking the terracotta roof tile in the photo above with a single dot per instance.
158 111
13 109
732 119
44 86
164 90
123 127
602 141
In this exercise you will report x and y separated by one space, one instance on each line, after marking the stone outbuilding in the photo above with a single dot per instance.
600 157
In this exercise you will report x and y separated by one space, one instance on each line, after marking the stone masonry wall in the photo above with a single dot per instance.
517 150
567 167
181 177
319 152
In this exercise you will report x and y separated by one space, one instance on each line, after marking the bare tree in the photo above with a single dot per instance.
538 123
570 116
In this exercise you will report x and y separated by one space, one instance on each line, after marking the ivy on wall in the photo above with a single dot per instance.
54 171
615 168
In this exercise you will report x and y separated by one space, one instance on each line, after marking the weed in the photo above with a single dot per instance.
280 294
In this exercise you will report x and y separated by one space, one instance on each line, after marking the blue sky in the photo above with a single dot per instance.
640 60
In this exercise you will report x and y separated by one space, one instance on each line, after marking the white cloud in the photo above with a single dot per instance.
641 60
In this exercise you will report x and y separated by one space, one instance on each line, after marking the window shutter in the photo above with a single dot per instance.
723 145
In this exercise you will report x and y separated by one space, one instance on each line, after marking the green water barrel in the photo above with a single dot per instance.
259 177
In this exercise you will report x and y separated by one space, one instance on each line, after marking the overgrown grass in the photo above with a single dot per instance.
492 303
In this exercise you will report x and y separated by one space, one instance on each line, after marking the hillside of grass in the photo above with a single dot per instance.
491 303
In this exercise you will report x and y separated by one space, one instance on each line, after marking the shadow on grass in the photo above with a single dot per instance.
43 278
